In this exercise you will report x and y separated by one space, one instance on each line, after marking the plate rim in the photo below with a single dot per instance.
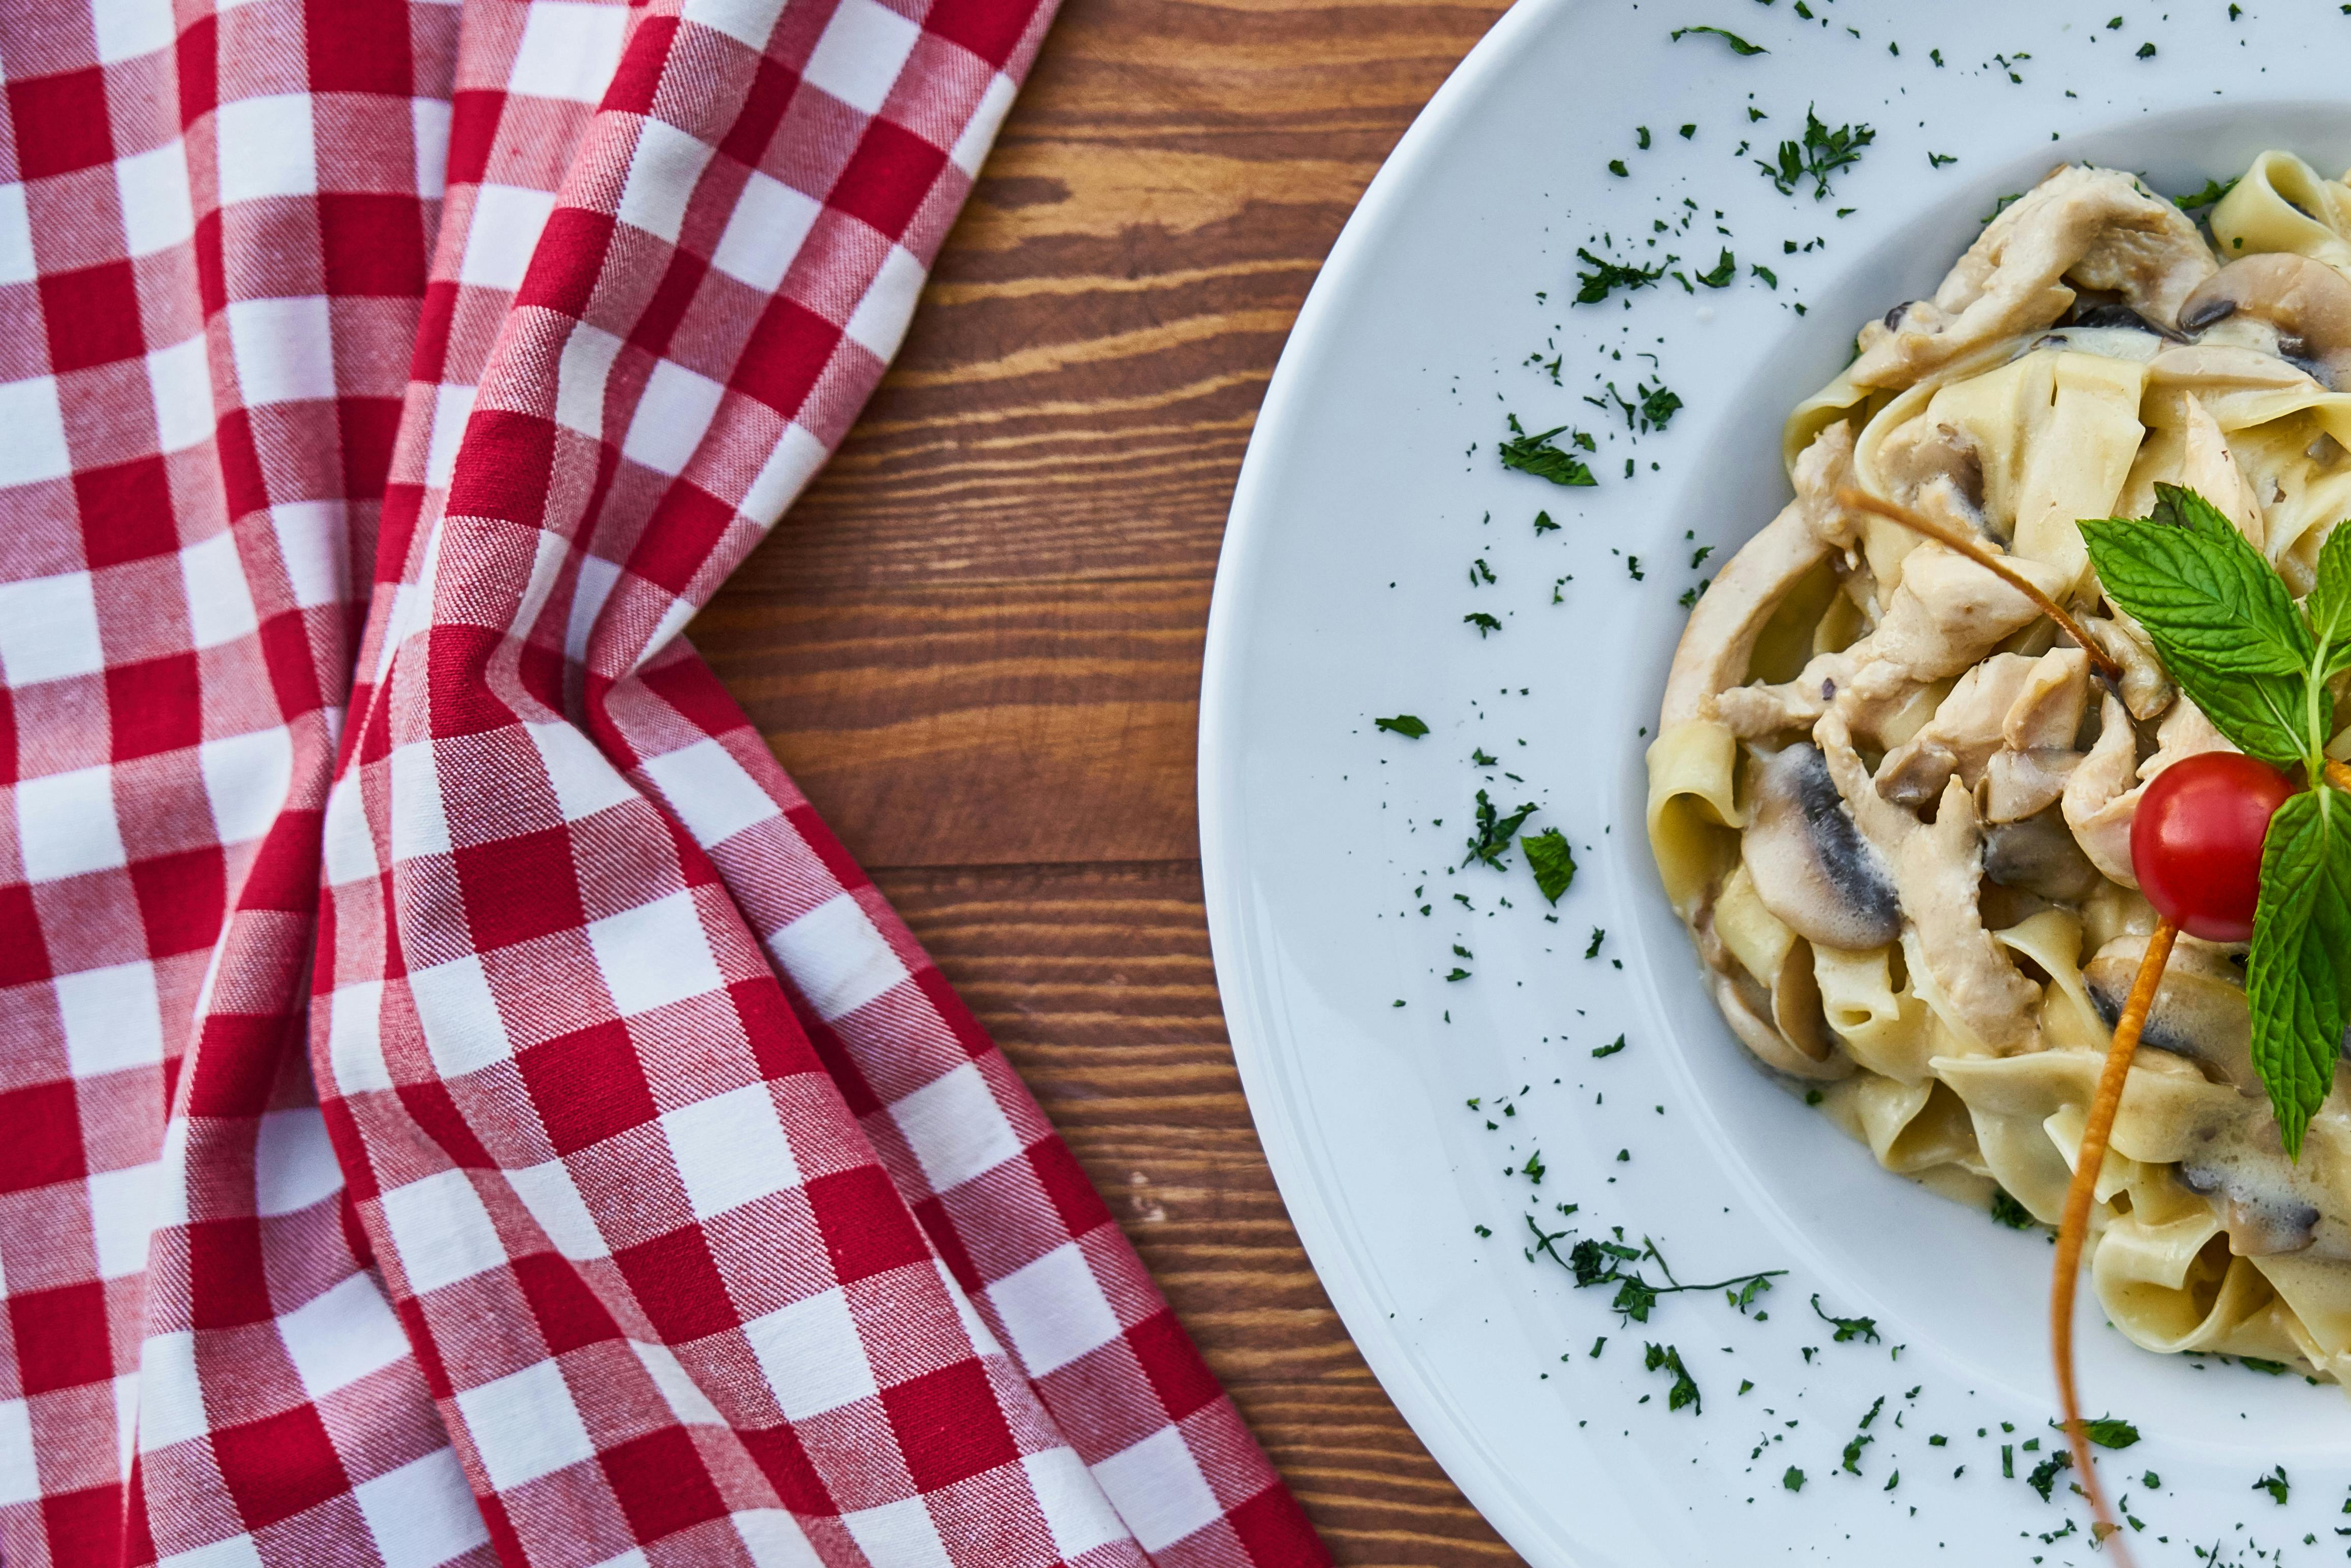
1426 1410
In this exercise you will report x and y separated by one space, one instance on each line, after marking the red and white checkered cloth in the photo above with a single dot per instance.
456 1102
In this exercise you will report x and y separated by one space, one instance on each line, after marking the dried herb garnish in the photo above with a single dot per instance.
1594 1262
2043 1478
1403 724
1537 456
1739 45
1606 276
1552 861
1821 152
1666 1358
2208 196
1848 1329
1492 840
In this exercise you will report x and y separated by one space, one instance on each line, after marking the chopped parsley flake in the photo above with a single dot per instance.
2270 1368
1793 1480
1688 131
1535 454
1544 525
1606 276
2043 1478
1596 1262
1613 1047
1721 275
1478 755
2107 1432
1552 861
2147 51
2276 1485
1848 1329
2009 1212
1403 723
1937 159
1483 621
1598 936
1616 167
2208 196
1766 274
1666 1358
1739 45
1492 840
1822 152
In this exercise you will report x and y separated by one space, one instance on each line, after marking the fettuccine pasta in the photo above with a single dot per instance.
1893 805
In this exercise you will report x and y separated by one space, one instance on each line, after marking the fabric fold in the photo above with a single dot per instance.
461 1104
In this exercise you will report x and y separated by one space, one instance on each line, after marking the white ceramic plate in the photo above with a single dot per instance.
1371 487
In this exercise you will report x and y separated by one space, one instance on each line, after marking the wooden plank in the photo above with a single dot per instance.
1081 379
1026 722
1097 982
976 641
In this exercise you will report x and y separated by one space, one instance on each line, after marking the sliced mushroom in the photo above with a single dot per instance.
2264 1215
2308 303
1810 864
2112 314
2038 855
1938 869
2200 1012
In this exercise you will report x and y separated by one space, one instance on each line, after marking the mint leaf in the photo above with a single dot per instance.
2220 619
2201 590
2294 977
1406 725
2329 605
2261 715
1552 860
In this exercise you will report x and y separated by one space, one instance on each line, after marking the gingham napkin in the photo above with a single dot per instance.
457 1103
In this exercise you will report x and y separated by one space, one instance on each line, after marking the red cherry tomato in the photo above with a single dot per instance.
2196 841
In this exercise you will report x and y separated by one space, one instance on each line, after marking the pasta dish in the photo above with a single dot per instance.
1893 800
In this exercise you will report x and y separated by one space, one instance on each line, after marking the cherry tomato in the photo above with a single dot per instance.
2196 841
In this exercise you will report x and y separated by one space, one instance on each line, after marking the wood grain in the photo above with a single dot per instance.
976 642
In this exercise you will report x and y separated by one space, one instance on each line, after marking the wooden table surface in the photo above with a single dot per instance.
976 642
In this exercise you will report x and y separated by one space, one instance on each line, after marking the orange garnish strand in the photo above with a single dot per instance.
1952 538
2337 774
2074 1231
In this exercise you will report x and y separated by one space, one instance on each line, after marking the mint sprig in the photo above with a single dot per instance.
2258 666
2219 617
2296 974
